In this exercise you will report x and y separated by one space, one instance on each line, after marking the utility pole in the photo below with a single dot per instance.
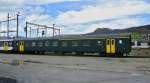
30 32
8 31
37 31
53 30
17 25
26 29
8 25
59 32
45 31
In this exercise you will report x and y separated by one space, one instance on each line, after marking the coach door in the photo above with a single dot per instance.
110 46
5 46
21 46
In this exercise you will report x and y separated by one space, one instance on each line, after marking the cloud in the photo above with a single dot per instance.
3 16
122 23
118 24
17 5
40 2
11 2
31 2
40 19
114 14
100 13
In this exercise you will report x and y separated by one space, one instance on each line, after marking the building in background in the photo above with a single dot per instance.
143 42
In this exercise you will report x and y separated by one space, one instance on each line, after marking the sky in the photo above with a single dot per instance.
77 16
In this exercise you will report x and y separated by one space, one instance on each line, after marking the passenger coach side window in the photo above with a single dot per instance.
86 43
33 44
47 43
74 43
40 44
120 41
99 42
64 44
55 43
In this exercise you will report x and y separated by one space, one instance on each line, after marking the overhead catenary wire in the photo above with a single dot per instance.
44 32
8 25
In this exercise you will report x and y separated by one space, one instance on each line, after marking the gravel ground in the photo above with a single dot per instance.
141 52
76 69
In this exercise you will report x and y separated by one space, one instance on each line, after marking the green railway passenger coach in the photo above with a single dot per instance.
110 45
